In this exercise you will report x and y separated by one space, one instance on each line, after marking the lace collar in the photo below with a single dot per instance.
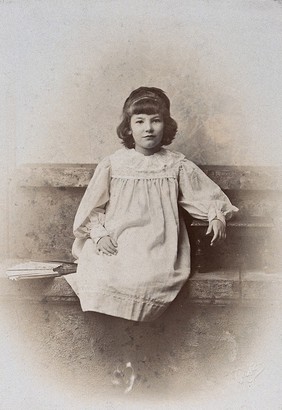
130 162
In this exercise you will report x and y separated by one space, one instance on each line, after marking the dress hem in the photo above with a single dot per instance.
126 309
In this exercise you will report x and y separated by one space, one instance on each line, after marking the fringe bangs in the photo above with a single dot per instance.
147 106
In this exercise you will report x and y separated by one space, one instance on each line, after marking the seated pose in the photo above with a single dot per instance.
131 244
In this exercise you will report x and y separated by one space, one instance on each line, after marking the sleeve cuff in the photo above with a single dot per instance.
216 214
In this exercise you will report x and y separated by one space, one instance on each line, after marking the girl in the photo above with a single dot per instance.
131 243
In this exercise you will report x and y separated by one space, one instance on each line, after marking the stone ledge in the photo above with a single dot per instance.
78 176
56 176
37 290
219 287
214 285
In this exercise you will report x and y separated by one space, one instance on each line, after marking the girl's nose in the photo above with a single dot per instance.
148 126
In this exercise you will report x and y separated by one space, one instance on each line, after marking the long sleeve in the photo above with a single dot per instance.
200 196
88 221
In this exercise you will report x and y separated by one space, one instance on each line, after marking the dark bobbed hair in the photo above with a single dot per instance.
146 100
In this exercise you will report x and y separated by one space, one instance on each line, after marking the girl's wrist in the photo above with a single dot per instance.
97 239
217 219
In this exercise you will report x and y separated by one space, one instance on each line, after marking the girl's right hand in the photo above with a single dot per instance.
107 245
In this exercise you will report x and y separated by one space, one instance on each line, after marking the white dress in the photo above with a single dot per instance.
134 199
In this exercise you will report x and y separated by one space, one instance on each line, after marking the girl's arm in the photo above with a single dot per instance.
203 199
89 218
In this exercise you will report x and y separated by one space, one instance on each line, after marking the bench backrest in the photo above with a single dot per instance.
44 200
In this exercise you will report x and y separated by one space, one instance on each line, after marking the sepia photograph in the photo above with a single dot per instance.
141 192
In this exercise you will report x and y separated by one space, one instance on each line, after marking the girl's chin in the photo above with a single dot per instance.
150 144
147 151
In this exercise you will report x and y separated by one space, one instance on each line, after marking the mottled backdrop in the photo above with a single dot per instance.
68 67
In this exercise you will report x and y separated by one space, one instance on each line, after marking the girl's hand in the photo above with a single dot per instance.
107 245
219 231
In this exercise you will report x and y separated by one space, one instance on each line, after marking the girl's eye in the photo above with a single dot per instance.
157 120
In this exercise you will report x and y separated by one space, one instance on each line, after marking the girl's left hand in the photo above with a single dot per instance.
219 231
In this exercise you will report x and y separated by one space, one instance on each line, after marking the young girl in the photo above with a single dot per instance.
131 243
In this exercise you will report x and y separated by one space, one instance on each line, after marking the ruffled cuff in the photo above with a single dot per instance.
216 214
221 214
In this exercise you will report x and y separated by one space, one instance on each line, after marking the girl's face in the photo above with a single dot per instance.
147 131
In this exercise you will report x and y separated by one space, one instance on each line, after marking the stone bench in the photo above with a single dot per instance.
44 200
216 320
223 287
